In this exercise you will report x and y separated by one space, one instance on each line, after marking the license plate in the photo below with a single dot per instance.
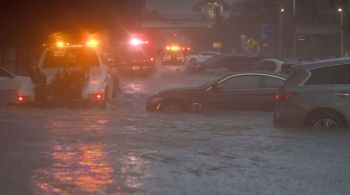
136 68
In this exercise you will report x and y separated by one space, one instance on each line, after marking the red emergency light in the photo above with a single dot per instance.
137 42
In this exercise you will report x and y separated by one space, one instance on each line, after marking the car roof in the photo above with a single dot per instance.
324 63
237 55
259 73
272 59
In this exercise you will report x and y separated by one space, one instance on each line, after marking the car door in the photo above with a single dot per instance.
7 81
341 89
236 92
265 94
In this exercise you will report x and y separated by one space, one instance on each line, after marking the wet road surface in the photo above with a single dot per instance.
126 150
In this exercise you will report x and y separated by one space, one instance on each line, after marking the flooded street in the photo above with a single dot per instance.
126 150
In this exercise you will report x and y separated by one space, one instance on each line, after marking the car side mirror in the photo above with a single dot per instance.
216 87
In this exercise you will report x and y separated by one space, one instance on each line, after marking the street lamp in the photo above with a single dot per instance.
282 10
340 10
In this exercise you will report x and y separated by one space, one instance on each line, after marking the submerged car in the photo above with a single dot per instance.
72 72
9 81
200 56
9 85
271 65
316 95
244 91
225 62
137 63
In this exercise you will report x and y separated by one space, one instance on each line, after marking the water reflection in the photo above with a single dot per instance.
135 87
89 161
78 169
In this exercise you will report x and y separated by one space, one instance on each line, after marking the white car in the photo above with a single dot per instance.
75 72
271 65
9 84
8 81
201 56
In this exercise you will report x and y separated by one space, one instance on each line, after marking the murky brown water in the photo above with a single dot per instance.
125 150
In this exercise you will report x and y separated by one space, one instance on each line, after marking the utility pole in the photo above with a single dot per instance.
340 10
295 33
280 28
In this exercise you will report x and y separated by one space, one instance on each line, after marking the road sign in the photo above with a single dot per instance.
217 45
266 31
251 43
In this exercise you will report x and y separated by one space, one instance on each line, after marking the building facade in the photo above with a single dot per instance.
313 29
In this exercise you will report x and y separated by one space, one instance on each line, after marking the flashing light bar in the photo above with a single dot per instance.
177 48
137 42
60 44
92 43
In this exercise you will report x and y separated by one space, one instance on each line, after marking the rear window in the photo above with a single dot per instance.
271 82
71 57
339 74
241 82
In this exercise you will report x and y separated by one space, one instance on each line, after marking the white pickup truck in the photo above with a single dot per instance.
74 72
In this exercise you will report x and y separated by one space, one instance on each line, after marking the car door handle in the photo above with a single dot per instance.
343 94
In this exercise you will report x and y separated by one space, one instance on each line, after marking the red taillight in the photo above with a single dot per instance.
20 98
284 96
99 96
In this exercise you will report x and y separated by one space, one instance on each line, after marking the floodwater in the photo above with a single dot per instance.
126 150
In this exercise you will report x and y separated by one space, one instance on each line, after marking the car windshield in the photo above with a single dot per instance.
71 57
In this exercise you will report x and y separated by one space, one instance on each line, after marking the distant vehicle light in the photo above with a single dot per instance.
92 43
137 42
173 48
60 44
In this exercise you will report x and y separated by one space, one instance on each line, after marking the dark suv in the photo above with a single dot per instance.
316 95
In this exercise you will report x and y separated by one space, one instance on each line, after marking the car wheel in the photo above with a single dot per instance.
326 121
173 107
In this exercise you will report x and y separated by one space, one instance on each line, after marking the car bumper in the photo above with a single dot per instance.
287 115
